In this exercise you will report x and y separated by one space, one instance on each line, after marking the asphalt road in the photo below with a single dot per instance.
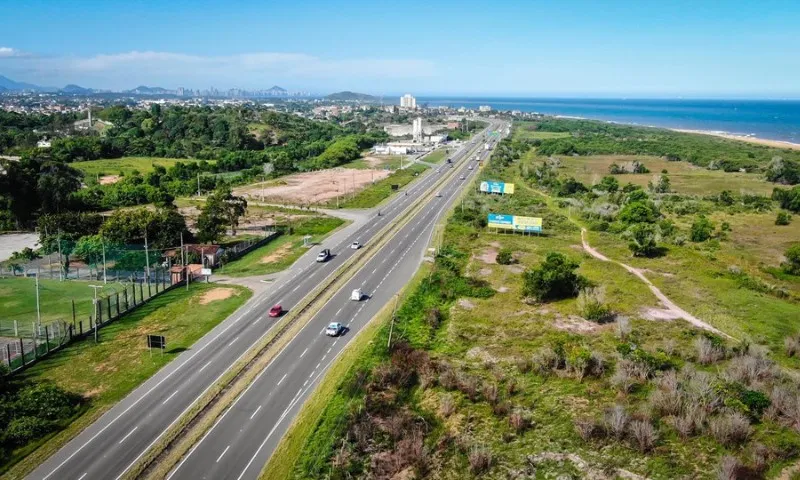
112 444
242 441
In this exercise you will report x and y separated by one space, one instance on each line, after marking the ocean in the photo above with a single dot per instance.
769 119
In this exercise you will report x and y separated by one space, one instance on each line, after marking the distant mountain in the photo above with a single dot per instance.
76 90
145 90
351 97
12 85
277 91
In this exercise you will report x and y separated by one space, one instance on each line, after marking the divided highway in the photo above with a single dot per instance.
243 439
111 445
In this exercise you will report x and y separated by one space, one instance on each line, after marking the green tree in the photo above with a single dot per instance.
659 184
160 229
639 212
555 278
90 249
783 218
222 210
57 181
608 184
702 229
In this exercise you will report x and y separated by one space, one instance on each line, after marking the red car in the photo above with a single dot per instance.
275 311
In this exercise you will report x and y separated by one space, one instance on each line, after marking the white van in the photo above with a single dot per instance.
356 295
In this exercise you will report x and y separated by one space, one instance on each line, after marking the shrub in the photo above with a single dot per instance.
643 434
643 239
792 345
505 257
640 211
730 429
616 419
519 420
667 398
554 279
448 405
23 429
587 428
480 459
546 360
792 263
592 306
728 468
749 369
491 393
608 184
783 218
701 230
707 351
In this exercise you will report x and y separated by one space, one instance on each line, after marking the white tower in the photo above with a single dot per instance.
90 117
417 129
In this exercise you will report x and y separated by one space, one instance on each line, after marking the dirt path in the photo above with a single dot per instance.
670 306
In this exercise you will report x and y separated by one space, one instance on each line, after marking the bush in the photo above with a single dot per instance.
708 351
505 257
792 263
783 218
592 306
643 240
22 430
643 434
730 429
639 211
728 468
480 459
702 229
554 279
519 420
616 419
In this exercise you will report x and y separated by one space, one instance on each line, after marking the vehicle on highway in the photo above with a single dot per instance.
356 295
355 245
449 160
334 329
324 255
275 311
439 194
470 167
462 177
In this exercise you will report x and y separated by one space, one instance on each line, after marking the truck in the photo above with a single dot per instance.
487 146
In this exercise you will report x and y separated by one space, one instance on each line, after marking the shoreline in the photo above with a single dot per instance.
743 138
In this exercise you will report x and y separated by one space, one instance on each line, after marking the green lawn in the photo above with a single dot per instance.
437 156
18 301
367 161
282 251
106 372
382 189
126 165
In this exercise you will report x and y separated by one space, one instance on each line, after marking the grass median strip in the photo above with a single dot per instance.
178 439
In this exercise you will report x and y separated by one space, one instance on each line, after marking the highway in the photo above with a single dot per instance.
243 439
113 443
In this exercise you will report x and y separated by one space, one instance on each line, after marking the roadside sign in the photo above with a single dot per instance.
156 341
205 271
490 186
515 222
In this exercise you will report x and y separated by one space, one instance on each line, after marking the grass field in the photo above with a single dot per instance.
392 162
106 372
126 165
437 156
685 178
374 194
282 251
493 344
525 131
18 301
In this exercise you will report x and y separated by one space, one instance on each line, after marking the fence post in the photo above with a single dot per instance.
8 353
22 351
125 295
80 326
141 293
133 292
73 311
108 306
46 340
149 293
117 304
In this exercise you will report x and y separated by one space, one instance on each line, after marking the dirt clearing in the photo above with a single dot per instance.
216 294
313 187
109 179
277 254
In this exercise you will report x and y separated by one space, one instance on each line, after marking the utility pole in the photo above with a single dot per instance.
198 184
60 260
103 244
146 256
183 264
38 311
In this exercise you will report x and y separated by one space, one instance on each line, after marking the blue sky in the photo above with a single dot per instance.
638 48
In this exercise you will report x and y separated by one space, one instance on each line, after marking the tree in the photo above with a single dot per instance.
90 249
659 184
57 181
222 209
783 218
161 228
702 229
792 264
643 239
554 279
639 212
608 184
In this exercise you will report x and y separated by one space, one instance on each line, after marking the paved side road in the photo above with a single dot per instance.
14 242
242 441
110 446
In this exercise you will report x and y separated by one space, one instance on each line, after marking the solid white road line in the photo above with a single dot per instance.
129 434
223 453
254 413
282 379
204 366
304 352
82 476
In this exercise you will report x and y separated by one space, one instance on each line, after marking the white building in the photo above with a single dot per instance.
416 130
485 108
44 143
407 101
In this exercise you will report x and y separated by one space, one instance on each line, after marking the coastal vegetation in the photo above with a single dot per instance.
650 330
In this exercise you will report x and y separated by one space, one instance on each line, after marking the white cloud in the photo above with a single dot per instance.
121 70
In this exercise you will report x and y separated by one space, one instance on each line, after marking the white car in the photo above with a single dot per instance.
334 329
356 295
470 167
355 245
439 194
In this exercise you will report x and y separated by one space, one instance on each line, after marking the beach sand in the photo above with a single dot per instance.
760 141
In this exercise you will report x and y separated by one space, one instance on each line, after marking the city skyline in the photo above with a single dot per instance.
549 49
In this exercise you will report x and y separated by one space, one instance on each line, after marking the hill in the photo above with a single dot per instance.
76 89
13 85
145 90
351 97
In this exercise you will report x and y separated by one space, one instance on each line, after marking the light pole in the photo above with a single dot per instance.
95 287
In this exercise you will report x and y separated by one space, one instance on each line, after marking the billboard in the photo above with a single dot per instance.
496 187
515 222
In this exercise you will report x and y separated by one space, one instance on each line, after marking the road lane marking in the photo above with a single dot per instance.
82 476
282 379
129 434
168 398
254 413
223 453
304 352
234 340
204 366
